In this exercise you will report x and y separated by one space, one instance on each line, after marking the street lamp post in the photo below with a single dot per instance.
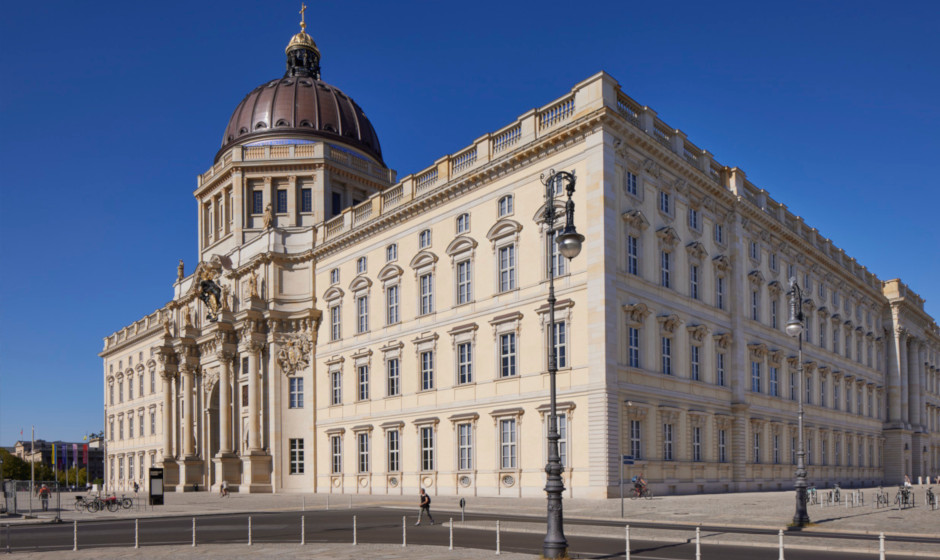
569 245
795 329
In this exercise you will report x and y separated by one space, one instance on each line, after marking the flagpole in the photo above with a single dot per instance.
32 466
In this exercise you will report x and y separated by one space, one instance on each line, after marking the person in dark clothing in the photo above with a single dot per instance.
425 507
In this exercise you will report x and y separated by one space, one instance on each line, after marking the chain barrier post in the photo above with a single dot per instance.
627 537
137 533
698 543
451 547
303 530
881 546
497 537
404 534
75 535
780 535
194 532
249 530
354 531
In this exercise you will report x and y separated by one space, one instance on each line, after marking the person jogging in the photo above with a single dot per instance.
425 507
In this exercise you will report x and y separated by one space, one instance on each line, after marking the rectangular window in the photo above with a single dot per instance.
792 450
559 262
631 183
391 305
563 439
837 456
667 442
755 251
722 446
694 219
424 239
120 391
362 314
773 314
130 426
464 286
393 387
427 294
858 402
363 441
667 355
848 398
281 201
720 292
835 339
111 394
296 392
427 370
464 446
755 377
463 223
130 388
153 382
773 261
130 467
757 447
336 381
505 206
363 382
720 369
306 200
633 255
822 333
664 205
793 389
560 341
636 440
755 305
693 281
507 268
809 390
335 324
336 454
393 437
665 279
296 456
361 265
336 203
391 252
507 355
121 428
719 234
257 202
696 444
774 382
836 397
634 345
822 392
507 443
694 352
334 276
427 448
464 363
776 449
153 423
140 424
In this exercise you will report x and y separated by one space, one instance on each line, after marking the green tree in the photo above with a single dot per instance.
14 467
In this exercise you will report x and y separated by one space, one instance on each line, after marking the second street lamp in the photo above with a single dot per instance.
569 245
795 329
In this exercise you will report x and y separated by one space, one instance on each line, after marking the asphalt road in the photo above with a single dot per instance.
374 525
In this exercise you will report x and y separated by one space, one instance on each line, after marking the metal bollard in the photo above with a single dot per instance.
781 545
404 529
303 530
354 531
497 537
451 547
698 543
881 546
627 547
194 532
75 535
137 533
249 530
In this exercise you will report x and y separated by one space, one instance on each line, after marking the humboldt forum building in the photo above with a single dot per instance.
374 334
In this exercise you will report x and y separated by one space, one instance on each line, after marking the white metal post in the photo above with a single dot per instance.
881 546
303 532
451 547
627 547
497 536
354 531
194 532
404 534
75 535
780 534
249 530
698 543
137 533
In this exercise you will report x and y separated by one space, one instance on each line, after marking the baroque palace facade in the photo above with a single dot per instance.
377 335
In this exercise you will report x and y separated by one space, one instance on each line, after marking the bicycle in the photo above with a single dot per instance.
643 492
881 498
904 498
931 498
836 494
126 502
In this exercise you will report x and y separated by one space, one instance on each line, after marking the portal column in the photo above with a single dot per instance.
225 402
256 463
187 374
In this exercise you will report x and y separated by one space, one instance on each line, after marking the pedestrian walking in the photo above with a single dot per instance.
425 507
136 487
223 489
44 497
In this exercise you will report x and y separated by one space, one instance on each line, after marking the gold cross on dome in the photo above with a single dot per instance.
303 25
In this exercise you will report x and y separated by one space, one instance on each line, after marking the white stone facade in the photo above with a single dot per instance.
403 342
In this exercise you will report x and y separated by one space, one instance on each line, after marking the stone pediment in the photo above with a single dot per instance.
696 250
460 245
360 283
390 272
503 228
635 218
668 236
422 259
334 293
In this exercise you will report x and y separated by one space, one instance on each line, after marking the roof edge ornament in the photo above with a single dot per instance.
303 56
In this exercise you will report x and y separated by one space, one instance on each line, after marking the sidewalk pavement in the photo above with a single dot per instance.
767 510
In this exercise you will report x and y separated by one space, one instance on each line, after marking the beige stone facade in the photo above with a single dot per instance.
378 335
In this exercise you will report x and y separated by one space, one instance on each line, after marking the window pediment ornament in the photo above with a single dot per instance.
776 356
669 323
637 312
652 168
334 293
635 412
696 250
635 219
836 318
669 414
723 340
668 236
390 272
360 283
823 371
423 259
809 367
697 332
503 228
722 263
724 421
755 277
461 244
758 350
775 288
808 306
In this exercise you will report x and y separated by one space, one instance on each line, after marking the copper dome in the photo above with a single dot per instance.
300 105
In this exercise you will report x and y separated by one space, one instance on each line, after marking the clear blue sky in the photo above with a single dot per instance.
109 110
